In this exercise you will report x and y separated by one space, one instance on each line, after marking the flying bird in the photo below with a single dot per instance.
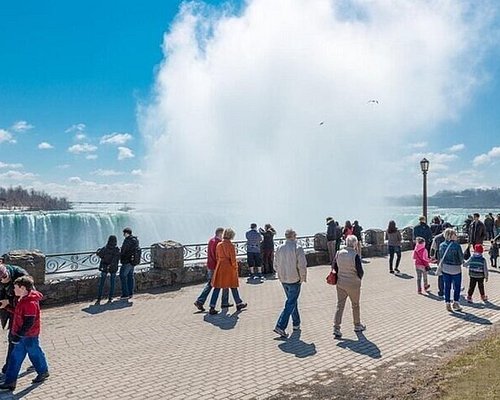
373 101
321 123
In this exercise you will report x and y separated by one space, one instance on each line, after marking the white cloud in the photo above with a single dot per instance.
237 93
82 148
80 136
75 179
418 145
17 175
124 153
437 161
136 172
5 136
456 148
11 166
116 138
45 146
76 128
487 158
21 126
91 157
63 166
106 172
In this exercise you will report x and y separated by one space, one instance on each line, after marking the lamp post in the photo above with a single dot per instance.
424 166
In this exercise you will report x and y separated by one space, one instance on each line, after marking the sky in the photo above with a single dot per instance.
102 100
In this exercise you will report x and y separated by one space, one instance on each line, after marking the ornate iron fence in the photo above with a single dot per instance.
88 261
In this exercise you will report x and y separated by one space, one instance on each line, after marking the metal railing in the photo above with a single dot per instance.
89 261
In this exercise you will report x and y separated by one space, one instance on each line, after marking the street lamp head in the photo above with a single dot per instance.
424 165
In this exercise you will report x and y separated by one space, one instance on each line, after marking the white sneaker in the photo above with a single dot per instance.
456 306
448 307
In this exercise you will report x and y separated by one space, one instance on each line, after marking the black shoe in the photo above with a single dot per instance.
8 387
41 378
213 311
227 305
397 271
199 306
391 271
4 369
30 369
241 306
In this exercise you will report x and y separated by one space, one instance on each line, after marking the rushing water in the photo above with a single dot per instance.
80 230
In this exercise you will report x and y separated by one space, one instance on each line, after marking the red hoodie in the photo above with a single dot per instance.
421 256
27 306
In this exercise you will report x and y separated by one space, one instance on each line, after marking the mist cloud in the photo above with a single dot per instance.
240 96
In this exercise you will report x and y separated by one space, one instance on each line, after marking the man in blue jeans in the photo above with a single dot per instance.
128 258
291 266
211 264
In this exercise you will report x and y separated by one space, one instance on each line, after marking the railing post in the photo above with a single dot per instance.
167 255
33 261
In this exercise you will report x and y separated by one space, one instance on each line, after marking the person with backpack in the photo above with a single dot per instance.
109 255
130 256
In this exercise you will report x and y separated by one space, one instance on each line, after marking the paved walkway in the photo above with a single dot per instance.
160 348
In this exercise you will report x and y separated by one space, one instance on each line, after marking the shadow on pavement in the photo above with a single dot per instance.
361 346
223 320
19 395
403 275
495 271
433 296
471 318
482 306
115 305
254 281
298 347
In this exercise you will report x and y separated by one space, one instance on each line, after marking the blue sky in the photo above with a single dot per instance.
72 74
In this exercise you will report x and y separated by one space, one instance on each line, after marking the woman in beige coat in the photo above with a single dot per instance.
347 265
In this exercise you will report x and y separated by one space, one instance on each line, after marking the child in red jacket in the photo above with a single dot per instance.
24 334
422 264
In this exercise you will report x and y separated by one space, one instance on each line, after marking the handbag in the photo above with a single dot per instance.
467 253
439 270
332 277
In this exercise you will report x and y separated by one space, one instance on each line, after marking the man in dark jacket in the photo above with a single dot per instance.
8 274
129 253
477 231
331 237
489 225
424 231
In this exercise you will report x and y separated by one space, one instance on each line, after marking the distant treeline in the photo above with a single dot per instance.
469 198
19 198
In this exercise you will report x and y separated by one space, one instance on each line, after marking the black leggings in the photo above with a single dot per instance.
392 250
472 286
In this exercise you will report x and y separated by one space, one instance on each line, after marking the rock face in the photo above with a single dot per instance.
374 237
32 261
320 242
167 255
407 233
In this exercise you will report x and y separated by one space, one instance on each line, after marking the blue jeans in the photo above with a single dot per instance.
127 278
31 347
208 287
292 291
440 285
394 250
449 281
215 296
112 277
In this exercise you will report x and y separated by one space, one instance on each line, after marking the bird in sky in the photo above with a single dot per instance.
321 123
373 101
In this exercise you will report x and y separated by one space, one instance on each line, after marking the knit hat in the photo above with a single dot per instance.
478 248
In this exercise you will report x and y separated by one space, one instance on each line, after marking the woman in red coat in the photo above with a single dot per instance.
226 272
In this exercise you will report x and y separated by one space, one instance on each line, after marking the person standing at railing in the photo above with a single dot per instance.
211 264
130 256
357 231
254 259
226 272
331 237
268 248
110 256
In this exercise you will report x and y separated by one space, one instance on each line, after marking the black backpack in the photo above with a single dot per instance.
135 259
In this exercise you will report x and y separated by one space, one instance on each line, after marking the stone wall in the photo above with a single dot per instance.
167 270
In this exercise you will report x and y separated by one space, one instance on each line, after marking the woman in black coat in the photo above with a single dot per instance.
109 255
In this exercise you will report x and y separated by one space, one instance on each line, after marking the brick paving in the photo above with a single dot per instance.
160 348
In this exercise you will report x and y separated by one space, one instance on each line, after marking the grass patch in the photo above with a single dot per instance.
473 374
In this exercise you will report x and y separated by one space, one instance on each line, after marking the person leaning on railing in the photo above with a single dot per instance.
110 256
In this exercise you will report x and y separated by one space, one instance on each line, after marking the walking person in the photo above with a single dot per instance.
424 231
450 266
8 275
331 237
347 265
211 264
497 225
357 230
110 256
25 334
267 247
436 243
130 256
477 231
291 266
489 226
226 272
254 259
493 252
394 239
478 273
422 264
